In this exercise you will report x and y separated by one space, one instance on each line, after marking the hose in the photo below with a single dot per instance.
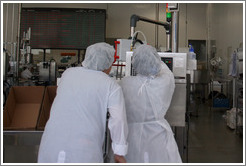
134 36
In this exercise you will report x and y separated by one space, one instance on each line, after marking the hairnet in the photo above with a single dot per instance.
146 60
99 56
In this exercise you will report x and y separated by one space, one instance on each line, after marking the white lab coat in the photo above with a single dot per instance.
75 130
147 99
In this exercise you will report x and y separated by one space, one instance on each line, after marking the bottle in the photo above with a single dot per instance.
191 54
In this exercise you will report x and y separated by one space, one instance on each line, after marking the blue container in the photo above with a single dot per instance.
221 103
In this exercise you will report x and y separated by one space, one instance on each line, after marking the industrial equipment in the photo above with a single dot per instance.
124 45
47 72
26 57
121 47
5 64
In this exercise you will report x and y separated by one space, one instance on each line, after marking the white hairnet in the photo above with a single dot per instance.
146 60
99 56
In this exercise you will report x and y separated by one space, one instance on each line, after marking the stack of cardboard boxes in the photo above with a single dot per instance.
28 107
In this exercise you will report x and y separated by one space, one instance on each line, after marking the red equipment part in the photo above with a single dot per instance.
115 55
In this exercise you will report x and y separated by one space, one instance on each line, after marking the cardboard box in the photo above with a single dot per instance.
22 107
49 95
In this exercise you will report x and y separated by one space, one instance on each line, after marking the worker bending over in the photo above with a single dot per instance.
148 96
75 131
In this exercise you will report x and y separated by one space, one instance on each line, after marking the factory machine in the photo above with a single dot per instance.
47 72
43 73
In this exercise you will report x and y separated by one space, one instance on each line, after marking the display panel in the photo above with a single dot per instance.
63 28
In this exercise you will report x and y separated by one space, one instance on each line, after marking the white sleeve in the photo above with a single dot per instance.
117 123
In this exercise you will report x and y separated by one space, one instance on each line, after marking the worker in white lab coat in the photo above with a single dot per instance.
75 131
148 96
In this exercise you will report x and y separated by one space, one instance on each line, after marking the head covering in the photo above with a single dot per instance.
99 56
146 60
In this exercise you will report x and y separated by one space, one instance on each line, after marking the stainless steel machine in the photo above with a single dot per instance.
48 72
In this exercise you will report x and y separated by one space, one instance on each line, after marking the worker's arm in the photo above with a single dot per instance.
117 123
168 84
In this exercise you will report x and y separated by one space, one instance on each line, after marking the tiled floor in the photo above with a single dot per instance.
211 140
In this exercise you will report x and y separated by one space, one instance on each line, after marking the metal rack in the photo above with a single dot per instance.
224 86
239 106
239 91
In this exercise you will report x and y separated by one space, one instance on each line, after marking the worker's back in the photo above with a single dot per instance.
75 130
147 100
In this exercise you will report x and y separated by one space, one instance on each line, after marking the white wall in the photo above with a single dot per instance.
196 21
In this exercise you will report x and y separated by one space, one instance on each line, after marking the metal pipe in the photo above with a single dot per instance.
6 27
168 42
175 30
168 33
5 60
18 41
14 52
12 35
132 31
156 26
186 23
117 72
234 92
135 18
13 17
120 71
208 50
